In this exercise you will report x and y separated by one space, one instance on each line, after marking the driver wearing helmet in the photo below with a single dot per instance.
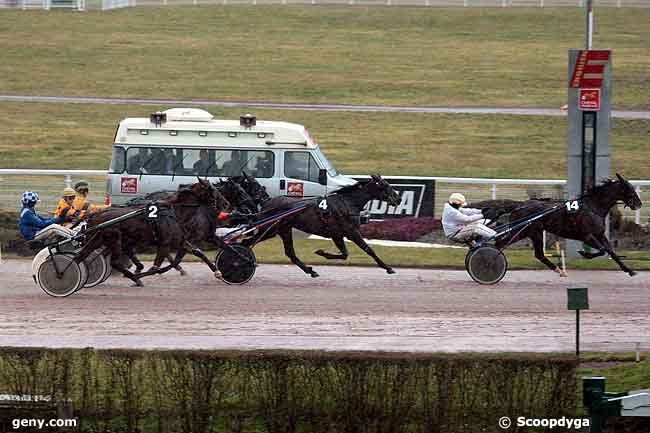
64 206
462 224
34 226
81 206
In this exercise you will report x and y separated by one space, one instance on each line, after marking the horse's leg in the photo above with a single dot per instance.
340 244
538 246
287 241
178 266
116 252
357 239
130 252
173 263
600 241
197 252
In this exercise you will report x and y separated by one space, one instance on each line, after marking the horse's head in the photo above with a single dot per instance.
382 190
207 194
253 188
629 196
235 194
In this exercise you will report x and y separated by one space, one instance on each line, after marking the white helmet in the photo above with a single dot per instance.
457 198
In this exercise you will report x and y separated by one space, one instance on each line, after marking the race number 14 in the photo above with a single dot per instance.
572 206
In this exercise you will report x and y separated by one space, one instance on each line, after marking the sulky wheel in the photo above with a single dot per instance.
70 277
486 264
98 268
236 263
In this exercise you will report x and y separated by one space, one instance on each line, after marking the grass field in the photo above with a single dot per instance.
77 136
376 55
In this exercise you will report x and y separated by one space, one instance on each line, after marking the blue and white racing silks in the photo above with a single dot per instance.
31 222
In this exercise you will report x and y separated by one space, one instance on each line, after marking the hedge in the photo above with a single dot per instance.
204 391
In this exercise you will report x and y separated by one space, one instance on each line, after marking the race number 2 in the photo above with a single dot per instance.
152 211
572 206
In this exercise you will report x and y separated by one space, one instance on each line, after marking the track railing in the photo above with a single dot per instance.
50 183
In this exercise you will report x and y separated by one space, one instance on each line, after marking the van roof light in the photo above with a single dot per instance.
158 118
247 120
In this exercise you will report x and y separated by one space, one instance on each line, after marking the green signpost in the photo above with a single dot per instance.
577 300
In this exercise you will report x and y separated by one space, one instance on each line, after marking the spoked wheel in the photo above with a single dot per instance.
237 264
98 267
71 275
486 264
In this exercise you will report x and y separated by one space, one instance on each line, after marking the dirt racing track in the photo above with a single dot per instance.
347 308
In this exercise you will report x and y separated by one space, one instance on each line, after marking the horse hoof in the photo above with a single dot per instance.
138 283
218 275
314 275
390 271
319 252
183 273
632 273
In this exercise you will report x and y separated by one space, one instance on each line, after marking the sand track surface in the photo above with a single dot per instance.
347 308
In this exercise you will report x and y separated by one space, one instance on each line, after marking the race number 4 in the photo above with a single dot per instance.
152 211
323 204
572 206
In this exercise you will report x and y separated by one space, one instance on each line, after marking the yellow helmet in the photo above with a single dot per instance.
457 198
69 192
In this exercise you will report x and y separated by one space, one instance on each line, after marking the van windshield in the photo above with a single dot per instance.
328 165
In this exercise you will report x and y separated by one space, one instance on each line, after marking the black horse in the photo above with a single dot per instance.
253 188
582 219
185 218
334 216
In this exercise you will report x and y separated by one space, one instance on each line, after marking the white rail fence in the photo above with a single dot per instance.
79 5
50 183
114 4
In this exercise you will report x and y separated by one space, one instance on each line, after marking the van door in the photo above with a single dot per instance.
300 174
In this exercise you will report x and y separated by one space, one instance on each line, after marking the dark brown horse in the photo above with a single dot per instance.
334 216
582 219
173 224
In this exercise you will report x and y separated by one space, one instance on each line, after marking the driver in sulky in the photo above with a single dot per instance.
463 224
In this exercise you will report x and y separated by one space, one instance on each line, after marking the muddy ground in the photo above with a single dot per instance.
347 308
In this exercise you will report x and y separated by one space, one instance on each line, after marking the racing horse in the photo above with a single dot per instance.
582 219
186 217
334 216
232 191
253 188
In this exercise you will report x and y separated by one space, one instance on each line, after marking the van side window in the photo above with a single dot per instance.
138 160
117 160
300 165
257 163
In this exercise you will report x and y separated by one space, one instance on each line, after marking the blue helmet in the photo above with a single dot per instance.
29 199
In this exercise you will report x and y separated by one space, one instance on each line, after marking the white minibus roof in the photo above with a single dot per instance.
193 127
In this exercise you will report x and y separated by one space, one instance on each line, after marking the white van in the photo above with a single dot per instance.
173 147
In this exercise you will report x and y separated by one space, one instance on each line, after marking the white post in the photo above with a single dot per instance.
68 181
637 349
637 213
618 3
465 3
541 3
494 191
544 240
563 260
